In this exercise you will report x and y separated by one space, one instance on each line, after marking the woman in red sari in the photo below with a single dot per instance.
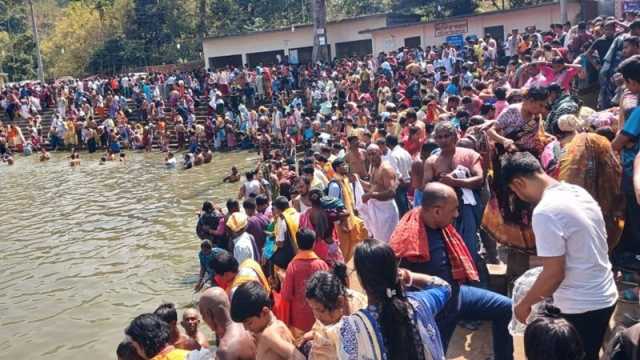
316 218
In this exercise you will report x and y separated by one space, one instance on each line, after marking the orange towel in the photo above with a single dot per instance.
409 241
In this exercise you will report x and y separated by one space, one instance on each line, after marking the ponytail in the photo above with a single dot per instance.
340 271
377 267
398 327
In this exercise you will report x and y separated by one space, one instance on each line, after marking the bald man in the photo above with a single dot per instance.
379 210
234 342
449 259
190 323
461 169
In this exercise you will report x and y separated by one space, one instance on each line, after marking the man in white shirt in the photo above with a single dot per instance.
571 239
511 45
251 187
401 161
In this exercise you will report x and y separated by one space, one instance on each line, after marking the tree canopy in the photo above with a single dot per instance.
16 43
81 37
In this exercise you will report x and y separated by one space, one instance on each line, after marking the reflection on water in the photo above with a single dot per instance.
85 250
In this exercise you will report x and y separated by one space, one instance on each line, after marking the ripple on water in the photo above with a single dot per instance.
86 249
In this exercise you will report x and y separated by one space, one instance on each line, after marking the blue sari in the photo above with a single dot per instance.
359 336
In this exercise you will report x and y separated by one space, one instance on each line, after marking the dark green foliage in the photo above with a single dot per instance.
19 52
153 29
432 9
156 32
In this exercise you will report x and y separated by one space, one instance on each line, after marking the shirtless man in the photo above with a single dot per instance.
208 155
442 167
301 202
251 305
460 168
190 322
44 155
233 177
417 171
356 158
233 341
75 159
199 158
167 312
379 210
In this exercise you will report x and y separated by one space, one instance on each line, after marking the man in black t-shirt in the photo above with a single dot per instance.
603 43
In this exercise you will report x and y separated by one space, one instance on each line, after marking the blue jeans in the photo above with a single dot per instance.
417 197
472 303
467 224
55 142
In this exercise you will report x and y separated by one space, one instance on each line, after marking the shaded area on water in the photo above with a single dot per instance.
86 249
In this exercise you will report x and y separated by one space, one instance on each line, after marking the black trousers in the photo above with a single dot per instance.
591 326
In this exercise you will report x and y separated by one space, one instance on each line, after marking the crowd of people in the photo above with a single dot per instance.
417 165
94 114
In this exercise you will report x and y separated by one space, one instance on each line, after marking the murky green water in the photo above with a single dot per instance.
84 250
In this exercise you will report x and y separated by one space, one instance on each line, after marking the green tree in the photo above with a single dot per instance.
429 9
339 9
19 59
160 25
460 7
65 49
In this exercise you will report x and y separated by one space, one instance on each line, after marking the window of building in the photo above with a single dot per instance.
412 42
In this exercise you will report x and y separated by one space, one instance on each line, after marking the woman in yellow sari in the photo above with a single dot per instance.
351 229
70 136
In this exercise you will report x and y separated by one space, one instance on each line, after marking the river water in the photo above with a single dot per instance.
84 250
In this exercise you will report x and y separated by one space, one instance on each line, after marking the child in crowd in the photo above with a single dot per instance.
205 256
300 269
251 306
551 337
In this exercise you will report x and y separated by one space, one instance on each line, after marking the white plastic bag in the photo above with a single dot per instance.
521 286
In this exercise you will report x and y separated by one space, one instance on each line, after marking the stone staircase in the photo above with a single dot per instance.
201 112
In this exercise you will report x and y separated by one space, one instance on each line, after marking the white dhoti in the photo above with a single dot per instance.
380 218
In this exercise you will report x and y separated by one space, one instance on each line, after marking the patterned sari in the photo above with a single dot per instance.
589 162
359 337
507 218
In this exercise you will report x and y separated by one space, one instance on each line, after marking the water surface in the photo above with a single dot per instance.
84 250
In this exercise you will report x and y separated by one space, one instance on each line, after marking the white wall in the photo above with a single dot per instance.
348 30
542 17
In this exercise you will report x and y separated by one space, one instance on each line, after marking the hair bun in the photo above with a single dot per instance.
551 311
